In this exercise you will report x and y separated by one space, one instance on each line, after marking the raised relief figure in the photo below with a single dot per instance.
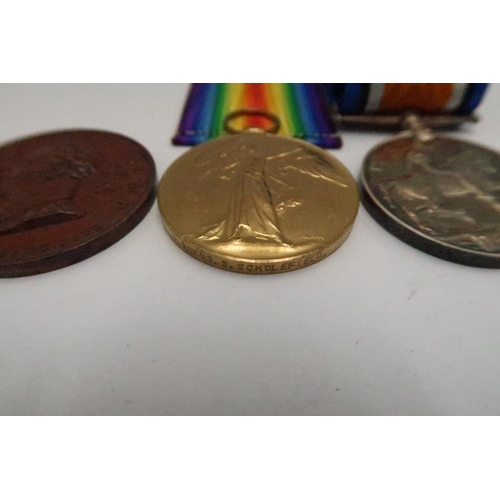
262 191
451 201
42 195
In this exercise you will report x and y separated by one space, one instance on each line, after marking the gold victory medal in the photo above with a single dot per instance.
258 203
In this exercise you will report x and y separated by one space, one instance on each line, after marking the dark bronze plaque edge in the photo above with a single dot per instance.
93 247
82 252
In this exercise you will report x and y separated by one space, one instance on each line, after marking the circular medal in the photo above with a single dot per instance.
258 203
65 196
441 195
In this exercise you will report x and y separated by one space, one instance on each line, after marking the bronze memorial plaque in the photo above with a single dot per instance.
65 196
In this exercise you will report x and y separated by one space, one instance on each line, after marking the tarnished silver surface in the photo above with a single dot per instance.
442 195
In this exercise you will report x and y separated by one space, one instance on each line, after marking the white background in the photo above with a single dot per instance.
378 328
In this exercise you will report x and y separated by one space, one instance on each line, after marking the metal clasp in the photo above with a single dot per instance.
275 122
397 121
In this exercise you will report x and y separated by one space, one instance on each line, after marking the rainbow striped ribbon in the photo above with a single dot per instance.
301 108
427 98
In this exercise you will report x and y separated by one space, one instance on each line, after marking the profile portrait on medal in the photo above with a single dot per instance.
263 191
24 206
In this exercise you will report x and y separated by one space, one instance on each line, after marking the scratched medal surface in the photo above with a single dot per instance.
67 195
258 203
442 196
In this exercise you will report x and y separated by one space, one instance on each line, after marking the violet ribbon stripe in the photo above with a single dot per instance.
302 109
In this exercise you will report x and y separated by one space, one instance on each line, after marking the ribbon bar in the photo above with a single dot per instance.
388 98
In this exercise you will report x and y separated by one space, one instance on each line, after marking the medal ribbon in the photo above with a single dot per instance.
428 98
302 109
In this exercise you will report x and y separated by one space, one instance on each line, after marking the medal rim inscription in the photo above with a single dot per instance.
83 246
412 235
253 265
